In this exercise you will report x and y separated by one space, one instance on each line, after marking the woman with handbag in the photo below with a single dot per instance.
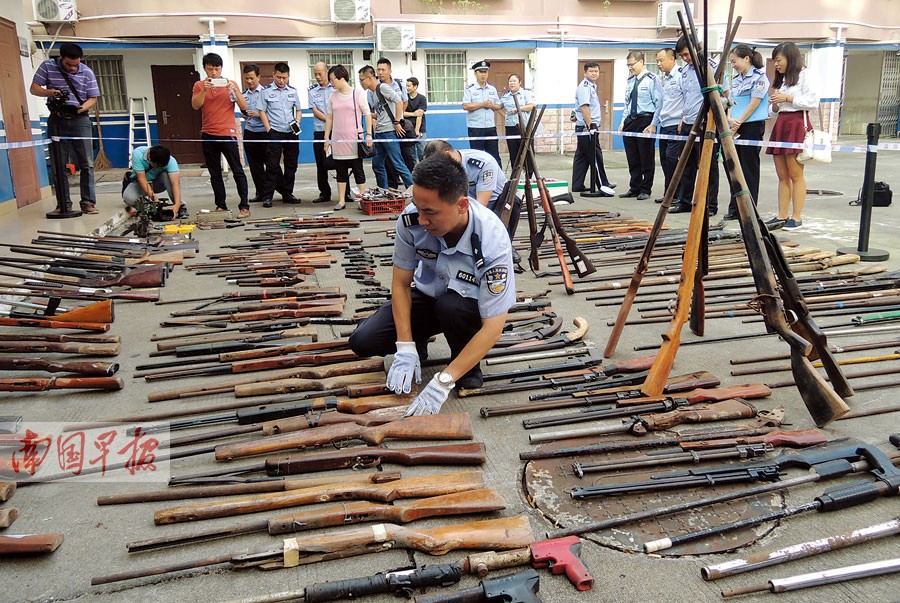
792 96
346 108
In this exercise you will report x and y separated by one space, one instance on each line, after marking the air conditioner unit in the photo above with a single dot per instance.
716 37
397 38
55 11
667 14
351 11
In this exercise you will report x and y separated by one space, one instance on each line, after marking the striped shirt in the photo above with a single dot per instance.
49 75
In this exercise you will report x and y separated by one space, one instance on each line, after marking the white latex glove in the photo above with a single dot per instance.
429 400
406 365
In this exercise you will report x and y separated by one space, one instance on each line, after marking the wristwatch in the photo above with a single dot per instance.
446 380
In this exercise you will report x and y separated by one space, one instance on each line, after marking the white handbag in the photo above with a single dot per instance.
816 145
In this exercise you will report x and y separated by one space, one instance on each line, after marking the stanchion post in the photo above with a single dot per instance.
873 132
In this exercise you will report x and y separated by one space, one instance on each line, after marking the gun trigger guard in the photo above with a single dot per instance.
344 443
756 304
639 426
771 418
364 463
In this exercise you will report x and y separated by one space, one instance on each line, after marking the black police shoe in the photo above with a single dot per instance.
680 208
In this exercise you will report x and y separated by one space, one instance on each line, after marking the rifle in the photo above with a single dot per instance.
98 312
411 487
631 407
570 396
328 377
695 452
642 424
482 500
59 337
346 458
86 293
441 427
30 544
41 385
101 369
40 347
505 533
802 334
506 203
252 366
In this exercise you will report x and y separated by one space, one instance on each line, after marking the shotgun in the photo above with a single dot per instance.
641 406
241 488
303 384
262 364
52 347
328 377
96 369
482 500
411 487
42 385
54 324
64 337
639 425
505 533
432 427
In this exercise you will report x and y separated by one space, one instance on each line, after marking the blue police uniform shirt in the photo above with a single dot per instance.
693 96
484 117
318 97
649 94
483 174
672 106
525 97
586 94
279 105
486 276
745 87
254 103
141 163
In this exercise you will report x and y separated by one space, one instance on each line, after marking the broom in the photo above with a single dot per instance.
101 162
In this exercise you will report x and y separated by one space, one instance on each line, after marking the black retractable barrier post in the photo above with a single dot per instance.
873 132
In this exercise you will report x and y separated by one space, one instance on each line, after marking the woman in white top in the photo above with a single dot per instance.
348 109
792 96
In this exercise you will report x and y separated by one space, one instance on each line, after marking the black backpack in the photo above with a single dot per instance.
882 198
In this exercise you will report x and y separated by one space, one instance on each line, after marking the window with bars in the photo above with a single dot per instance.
110 73
446 75
335 57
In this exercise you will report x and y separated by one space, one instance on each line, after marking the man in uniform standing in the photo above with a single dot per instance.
215 98
643 96
480 100
693 102
587 119
458 255
279 111
255 131
486 179
53 79
388 109
319 93
668 119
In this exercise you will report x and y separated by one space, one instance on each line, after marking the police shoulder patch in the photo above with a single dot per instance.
761 84
410 219
466 277
487 176
313 86
476 162
497 279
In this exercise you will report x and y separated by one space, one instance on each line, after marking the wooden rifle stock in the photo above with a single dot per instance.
304 384
284 349
325 376
331 417
431 427
98 369
59 337
413 487
30 544
367 456
54 324
42 385
286 361
665 358
330 310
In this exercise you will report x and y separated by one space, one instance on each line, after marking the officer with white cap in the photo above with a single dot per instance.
480 100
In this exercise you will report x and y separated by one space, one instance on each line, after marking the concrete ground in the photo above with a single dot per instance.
95 536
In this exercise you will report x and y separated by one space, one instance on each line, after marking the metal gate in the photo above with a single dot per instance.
889 96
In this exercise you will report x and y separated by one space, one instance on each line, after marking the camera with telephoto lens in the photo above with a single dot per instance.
59 108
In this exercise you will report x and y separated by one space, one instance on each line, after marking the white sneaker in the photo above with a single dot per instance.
607 190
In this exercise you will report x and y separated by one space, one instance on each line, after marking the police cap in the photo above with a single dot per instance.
482 65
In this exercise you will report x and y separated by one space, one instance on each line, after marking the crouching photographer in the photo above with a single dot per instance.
154 170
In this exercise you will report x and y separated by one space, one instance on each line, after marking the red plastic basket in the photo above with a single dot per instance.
372 207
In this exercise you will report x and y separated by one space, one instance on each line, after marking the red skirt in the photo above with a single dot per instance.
790 126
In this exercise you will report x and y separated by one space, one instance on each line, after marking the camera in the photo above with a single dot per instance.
59 108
